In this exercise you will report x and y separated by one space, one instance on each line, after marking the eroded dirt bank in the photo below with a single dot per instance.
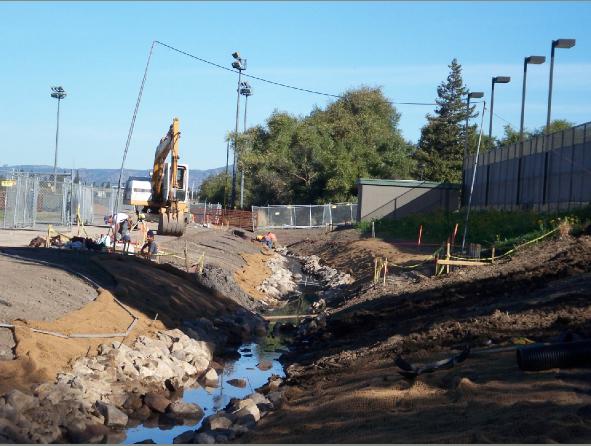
343 385
86 389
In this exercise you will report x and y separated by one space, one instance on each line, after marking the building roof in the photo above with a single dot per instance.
407 183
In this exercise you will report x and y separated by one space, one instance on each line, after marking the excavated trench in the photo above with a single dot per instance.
255 363
243 383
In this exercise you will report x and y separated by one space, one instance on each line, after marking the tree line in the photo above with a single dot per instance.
319 157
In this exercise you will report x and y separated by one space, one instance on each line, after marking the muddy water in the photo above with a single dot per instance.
212 400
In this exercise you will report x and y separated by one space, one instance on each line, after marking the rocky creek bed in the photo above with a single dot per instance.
169 388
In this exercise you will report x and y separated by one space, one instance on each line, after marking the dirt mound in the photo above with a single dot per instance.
146 288
39 292
39 356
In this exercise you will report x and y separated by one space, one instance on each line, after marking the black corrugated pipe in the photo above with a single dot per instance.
562 355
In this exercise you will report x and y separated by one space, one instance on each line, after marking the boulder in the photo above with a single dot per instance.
258 398
220 420
248 412
93 433
237 382
201 363
20 401
275 398
182 409
204 438
156 401
142 414
265 365
211 378
113 416
133 402
184 438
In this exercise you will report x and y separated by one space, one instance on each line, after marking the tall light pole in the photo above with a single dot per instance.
58 93
559 43
495 80
239 64
535 60
472 95
246 91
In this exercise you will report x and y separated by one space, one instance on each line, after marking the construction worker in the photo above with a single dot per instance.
142 226
126 233
151 246
270 240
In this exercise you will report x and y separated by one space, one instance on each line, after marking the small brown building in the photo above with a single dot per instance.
398 198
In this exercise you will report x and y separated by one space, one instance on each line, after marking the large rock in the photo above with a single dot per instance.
20 401
258 398
157 402
220 420
204 438
247 413
182 409
113 416
276 397
201 364
184 438
265 365
237 382
211 378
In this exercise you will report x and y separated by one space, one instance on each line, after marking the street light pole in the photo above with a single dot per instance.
246 91
495 80
58 93
239 64
536 60
559 43
475 95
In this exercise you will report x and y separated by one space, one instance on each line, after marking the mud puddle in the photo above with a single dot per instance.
211 400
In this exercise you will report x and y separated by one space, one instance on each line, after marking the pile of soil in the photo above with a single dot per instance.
345 387
39 356
39 292
147 289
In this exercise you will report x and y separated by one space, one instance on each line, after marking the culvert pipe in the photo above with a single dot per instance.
562 355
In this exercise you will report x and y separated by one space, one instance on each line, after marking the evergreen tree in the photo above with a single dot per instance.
441 145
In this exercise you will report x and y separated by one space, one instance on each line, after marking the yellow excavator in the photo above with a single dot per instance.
166 192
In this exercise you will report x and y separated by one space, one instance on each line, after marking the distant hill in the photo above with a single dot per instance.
100 176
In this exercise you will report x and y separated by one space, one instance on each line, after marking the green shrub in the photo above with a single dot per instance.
504 229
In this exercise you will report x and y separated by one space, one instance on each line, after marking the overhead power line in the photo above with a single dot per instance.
279 84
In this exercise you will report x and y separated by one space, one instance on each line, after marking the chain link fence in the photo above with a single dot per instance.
304 216
28 200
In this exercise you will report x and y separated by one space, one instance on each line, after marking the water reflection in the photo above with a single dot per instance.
212 400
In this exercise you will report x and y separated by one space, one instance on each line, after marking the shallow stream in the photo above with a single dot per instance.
212 400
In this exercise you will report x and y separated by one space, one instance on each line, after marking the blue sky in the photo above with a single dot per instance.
98 51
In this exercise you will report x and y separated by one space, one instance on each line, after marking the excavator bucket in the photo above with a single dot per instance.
172 224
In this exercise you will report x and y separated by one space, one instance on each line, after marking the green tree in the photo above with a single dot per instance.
556 125
212 188
441 145
318 158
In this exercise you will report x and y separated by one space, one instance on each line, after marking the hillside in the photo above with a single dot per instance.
100 176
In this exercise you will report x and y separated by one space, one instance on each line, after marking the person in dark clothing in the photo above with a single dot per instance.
126 234
150 248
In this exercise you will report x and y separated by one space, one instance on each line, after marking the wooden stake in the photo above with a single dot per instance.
420 235
385 270
493 249
447 256
186 257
